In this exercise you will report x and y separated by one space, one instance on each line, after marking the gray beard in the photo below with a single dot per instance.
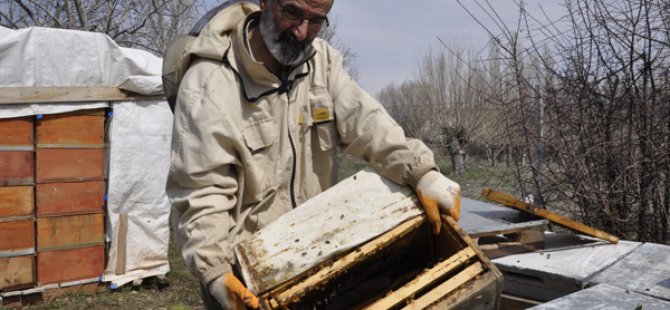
283 46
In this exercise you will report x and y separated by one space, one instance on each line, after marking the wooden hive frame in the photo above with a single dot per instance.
465 272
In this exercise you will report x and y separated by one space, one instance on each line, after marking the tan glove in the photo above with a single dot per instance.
438 195
232 294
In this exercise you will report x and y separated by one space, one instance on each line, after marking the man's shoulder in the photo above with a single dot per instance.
202 72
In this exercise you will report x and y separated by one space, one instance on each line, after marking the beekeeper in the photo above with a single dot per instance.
259 117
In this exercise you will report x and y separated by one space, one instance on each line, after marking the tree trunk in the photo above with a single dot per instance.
457 156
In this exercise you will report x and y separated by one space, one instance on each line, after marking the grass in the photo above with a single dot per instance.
183 292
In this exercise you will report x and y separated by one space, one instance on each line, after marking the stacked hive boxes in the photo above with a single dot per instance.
17 221
69 196
52 191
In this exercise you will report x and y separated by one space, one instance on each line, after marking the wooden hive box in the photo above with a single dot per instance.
70 265
16 167
313 258
74 129
72 231
17 237
16 131
17 272
16 201
70 198
69 164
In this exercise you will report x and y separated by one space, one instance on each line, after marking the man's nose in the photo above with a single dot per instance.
300 30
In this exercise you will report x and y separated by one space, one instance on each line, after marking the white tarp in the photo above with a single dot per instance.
139 160
139 132
45 57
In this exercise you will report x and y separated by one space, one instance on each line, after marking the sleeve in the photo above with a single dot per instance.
202 185
369 133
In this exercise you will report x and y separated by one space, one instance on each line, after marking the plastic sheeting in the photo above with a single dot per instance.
139 132
45 57
138 165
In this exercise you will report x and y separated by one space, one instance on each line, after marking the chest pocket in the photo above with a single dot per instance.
322 114
259 134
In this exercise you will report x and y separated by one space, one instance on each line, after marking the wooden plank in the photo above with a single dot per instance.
427 278
450 285
69 165
121 244
16 168
16 271
70 265
66 94
71 129
70 198
645 270
16 201
17 235
510 201
604 296
342 264
55 233
16 131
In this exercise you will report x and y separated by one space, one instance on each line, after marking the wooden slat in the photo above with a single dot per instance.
70 198
69 165
342 264
16 131
424 280
17 235
54 233
511 201
16 271
69 94
121 244
450 285
16 201
71 129
70 265
16 168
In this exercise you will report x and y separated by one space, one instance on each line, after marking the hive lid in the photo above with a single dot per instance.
345 216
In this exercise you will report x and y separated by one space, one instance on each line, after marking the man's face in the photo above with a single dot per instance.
288 27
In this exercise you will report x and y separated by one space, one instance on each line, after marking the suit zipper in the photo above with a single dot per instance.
287 88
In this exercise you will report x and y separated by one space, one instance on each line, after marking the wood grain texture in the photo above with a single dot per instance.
16 201
69 165
17 235
16 168
69 94
71 129
70 265
511 201
16 271
423 280
16 131
343 264
60 232
70 198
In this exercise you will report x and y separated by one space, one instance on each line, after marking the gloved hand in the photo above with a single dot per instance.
439 194
231 293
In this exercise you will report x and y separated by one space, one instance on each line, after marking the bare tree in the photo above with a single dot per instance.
602 81
142 24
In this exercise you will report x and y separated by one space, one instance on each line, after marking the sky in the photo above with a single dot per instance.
389 37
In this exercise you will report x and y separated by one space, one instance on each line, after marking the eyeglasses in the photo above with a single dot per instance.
296 16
